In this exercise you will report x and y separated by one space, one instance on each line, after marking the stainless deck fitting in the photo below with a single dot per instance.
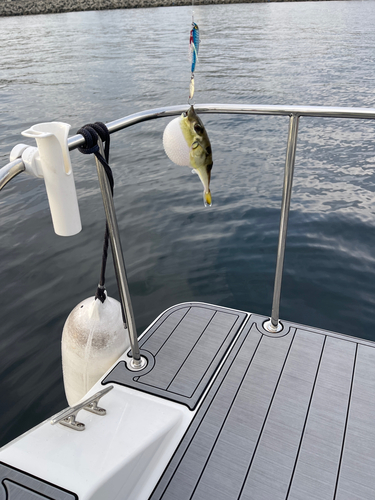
68 416
137 365
268 325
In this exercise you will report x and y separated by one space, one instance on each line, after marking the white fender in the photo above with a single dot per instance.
93 338
52 155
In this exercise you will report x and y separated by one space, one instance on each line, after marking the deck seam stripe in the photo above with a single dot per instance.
307 416
346 422
209 406
224 353
226 417
172 332
335 335
266 416
241 329
214 359
163 392
191 350
158 322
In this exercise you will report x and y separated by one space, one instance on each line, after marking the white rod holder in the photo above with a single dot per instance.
52 155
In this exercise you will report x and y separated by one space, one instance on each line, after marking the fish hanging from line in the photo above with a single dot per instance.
186 143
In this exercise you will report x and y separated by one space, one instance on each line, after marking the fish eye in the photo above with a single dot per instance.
198 129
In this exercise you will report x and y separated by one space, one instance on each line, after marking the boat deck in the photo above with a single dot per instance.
278 416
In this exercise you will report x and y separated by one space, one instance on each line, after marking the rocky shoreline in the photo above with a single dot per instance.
31 7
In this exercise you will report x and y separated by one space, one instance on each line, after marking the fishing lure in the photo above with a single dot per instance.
194 45
194 48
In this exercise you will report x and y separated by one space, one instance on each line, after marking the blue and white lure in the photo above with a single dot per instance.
194 48
185 139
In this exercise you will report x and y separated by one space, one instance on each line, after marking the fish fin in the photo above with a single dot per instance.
196 144
207 199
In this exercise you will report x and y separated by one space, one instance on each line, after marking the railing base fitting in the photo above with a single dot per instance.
137 365
269 327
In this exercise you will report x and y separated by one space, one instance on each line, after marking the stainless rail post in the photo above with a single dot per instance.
137 362
273 325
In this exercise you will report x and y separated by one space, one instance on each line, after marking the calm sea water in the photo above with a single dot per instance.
90 66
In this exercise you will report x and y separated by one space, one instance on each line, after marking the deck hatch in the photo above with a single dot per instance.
187 344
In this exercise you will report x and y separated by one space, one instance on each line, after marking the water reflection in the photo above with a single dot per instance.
84 67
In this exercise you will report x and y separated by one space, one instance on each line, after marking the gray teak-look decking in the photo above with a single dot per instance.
287 416
283 416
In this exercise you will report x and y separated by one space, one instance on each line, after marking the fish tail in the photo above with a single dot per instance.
207 199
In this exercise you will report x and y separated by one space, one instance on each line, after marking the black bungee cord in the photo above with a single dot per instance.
91 133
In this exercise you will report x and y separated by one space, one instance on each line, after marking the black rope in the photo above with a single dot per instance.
91 133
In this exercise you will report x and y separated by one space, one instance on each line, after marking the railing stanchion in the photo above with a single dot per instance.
273 325
137 362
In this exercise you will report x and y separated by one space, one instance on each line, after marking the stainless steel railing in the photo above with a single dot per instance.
294 113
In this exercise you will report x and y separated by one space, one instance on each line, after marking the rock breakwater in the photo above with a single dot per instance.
30 7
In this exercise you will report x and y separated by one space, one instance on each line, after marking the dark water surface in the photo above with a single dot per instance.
90 66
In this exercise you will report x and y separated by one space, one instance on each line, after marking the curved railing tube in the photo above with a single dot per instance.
10 171
294 112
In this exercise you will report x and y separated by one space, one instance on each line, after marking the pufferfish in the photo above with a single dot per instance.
187 144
